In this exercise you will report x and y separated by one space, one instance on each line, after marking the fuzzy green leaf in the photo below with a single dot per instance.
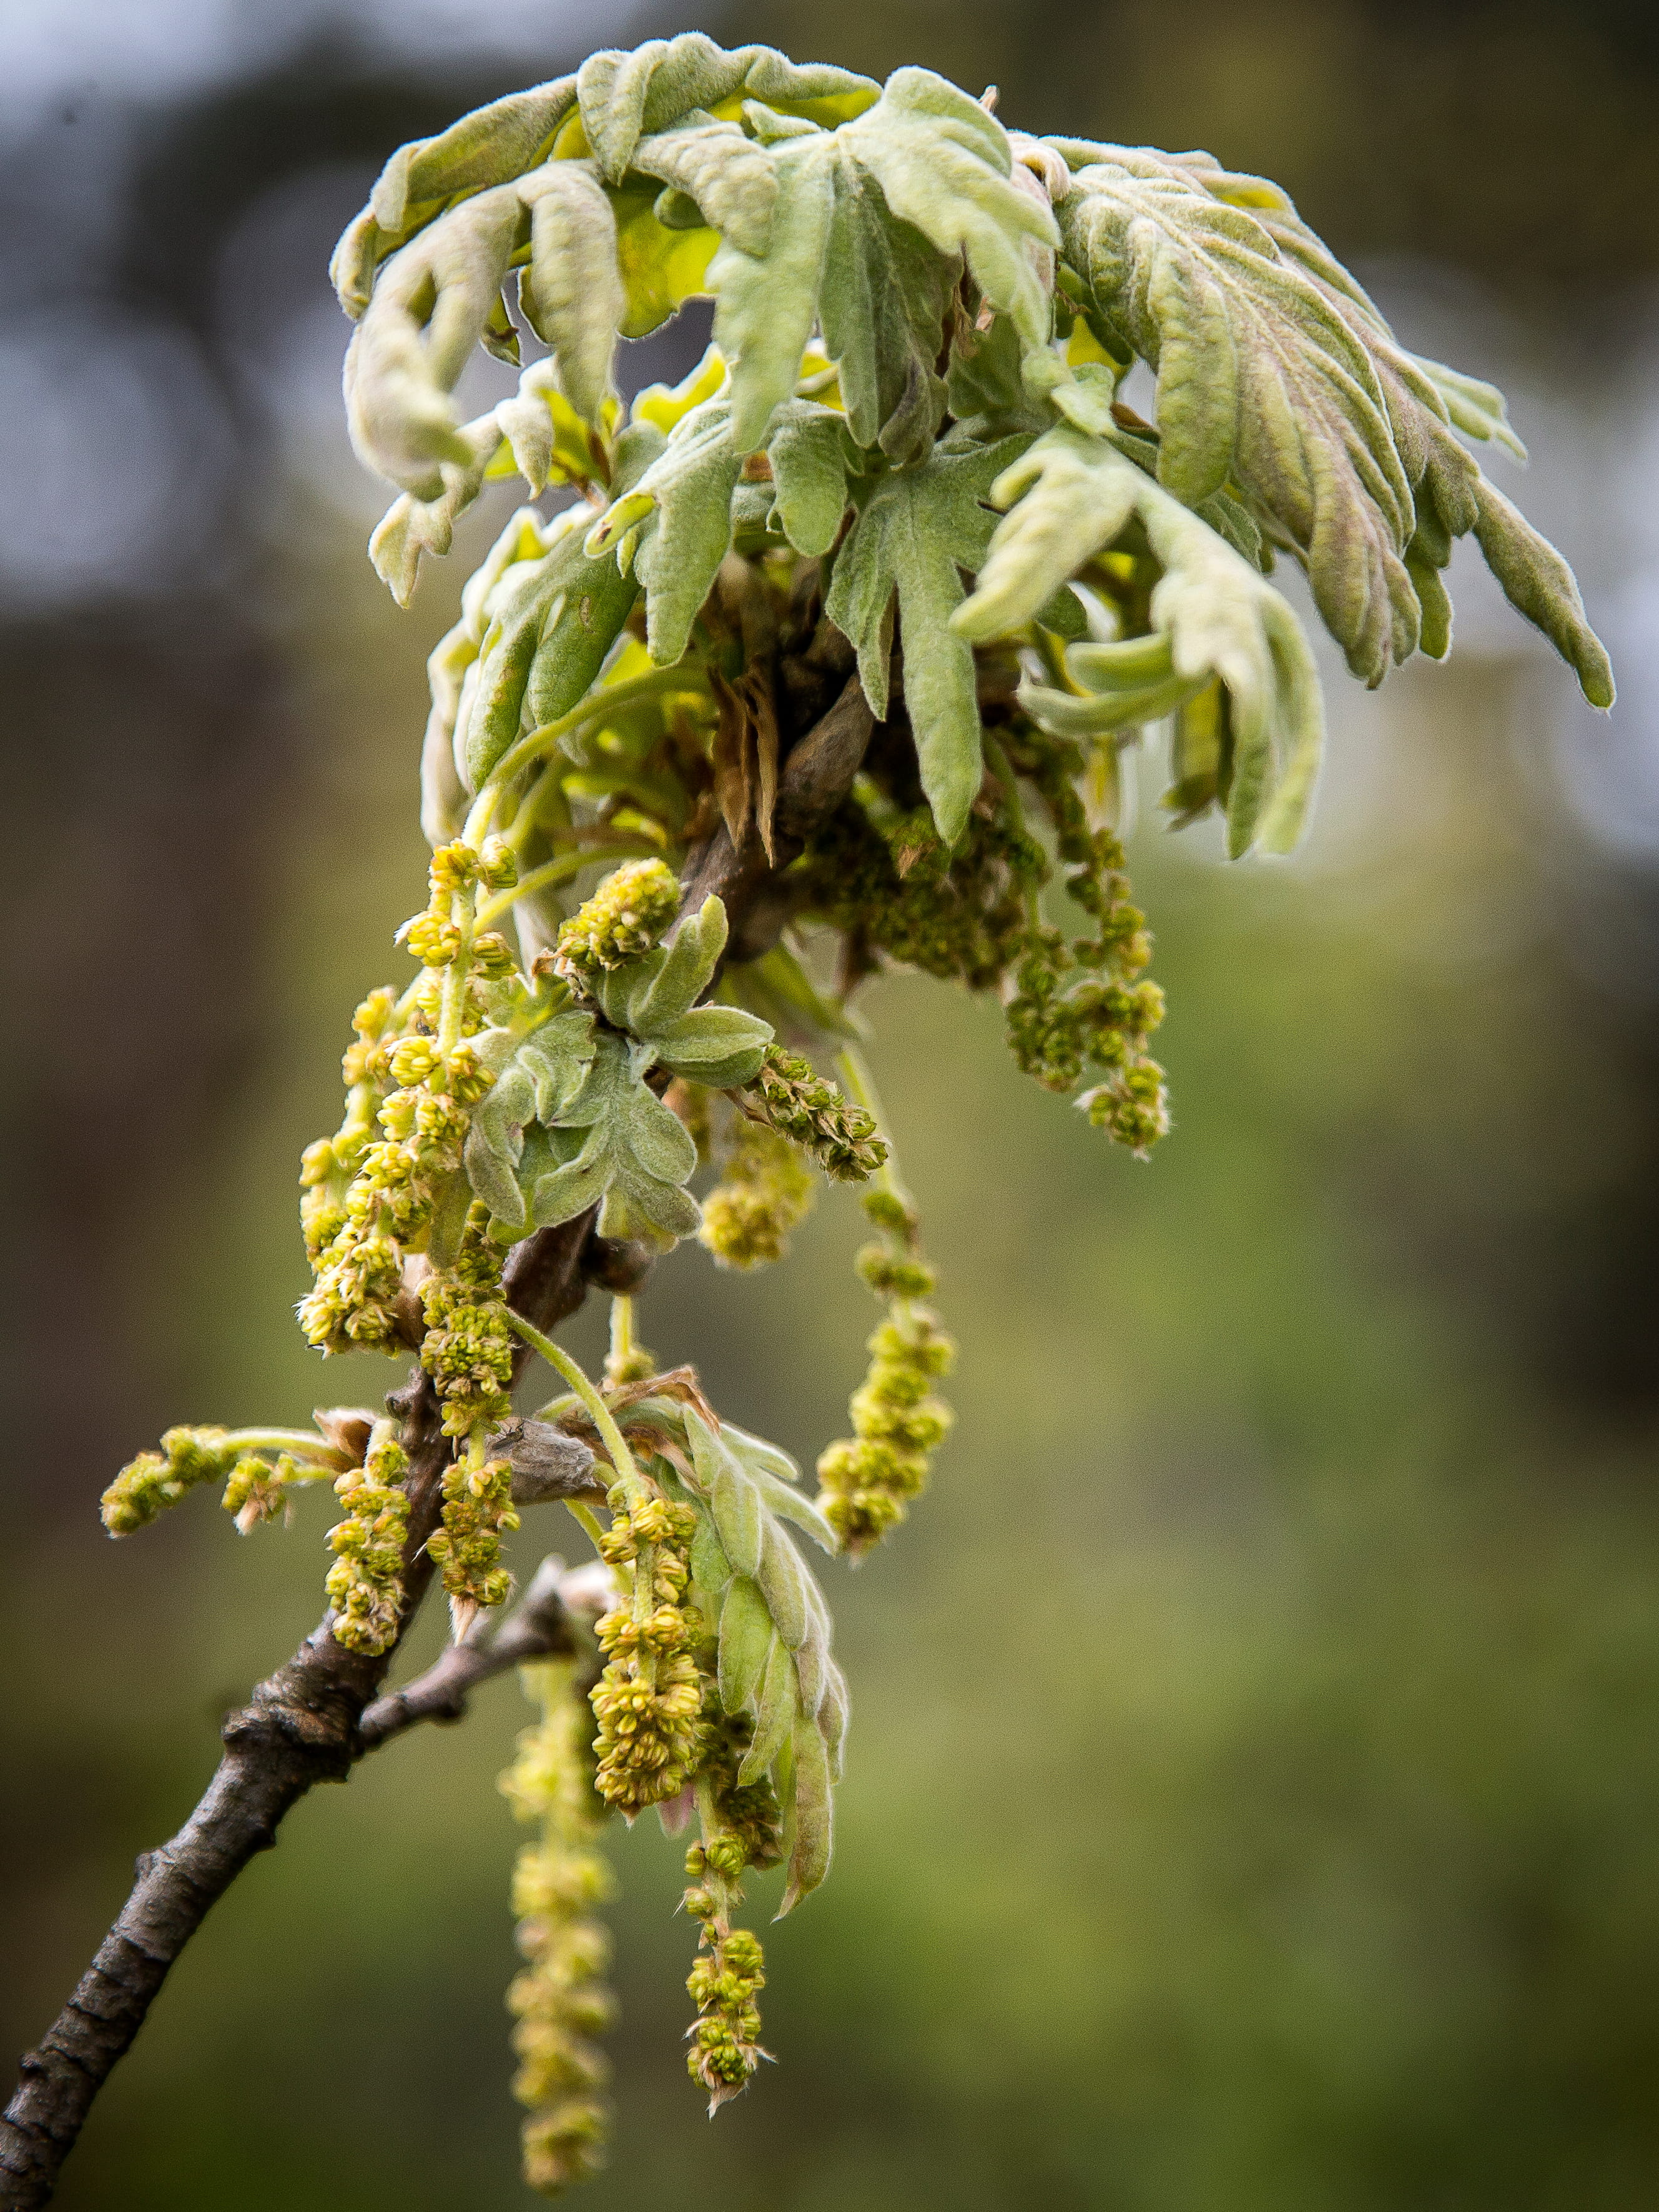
737 1515
1212 615
548 634
746 1638
491 146
809 1859
811 452
766 302
885 295
430 307
636 1153
944 166
627 96
731 181
781 1577
571 291
920 528
683 505
412 526
775 1715
1538 583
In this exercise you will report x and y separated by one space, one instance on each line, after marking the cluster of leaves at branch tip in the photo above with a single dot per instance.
560 2001
885 600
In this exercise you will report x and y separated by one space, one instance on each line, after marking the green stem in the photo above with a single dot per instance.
559 872
289 1440
589 1518
603 702
621 1458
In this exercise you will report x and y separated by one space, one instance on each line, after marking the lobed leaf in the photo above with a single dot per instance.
918 529
685 500
813 1808
1212 615
944 165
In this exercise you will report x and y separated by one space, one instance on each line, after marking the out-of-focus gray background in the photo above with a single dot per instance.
1253 1800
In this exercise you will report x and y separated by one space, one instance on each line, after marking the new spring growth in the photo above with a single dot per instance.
369 1201
625 917
257 1467
469 1343
741 1828
766 1190
839 1137
1078 1005
869 1478
364 1584
648 1699
560 2001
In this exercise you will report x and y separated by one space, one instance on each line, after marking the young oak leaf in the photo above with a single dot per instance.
918 530
536 1078
654 999
635 1160
1212 615
681 505
944 166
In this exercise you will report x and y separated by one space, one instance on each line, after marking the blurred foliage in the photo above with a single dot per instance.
1254 1790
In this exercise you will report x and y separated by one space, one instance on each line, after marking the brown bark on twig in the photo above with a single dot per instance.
301 1725
309 1722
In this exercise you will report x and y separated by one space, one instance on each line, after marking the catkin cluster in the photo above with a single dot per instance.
147 1486
743 1829
807 1108
469 1345
765 1191
478 1509
625 917
648 1700
868 1479
881 874
560 2000
1078 1004
370 1199
363 1584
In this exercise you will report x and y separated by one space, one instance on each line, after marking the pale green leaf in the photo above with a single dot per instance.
766 302
412 526
571 291
686 493
884 293
810 454
491 146
732 182
1212 615
775 1715
944 166
809 1859
746 1637
920 528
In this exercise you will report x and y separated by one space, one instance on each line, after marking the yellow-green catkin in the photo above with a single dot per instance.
364 1584
478 1509
369 1200
147 1486
741 1828
765 1191
625 917
560 2000
648 1700
257 1490
791 1097
868 1480
469 1345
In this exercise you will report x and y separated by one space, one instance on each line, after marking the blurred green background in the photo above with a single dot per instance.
1254 1794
